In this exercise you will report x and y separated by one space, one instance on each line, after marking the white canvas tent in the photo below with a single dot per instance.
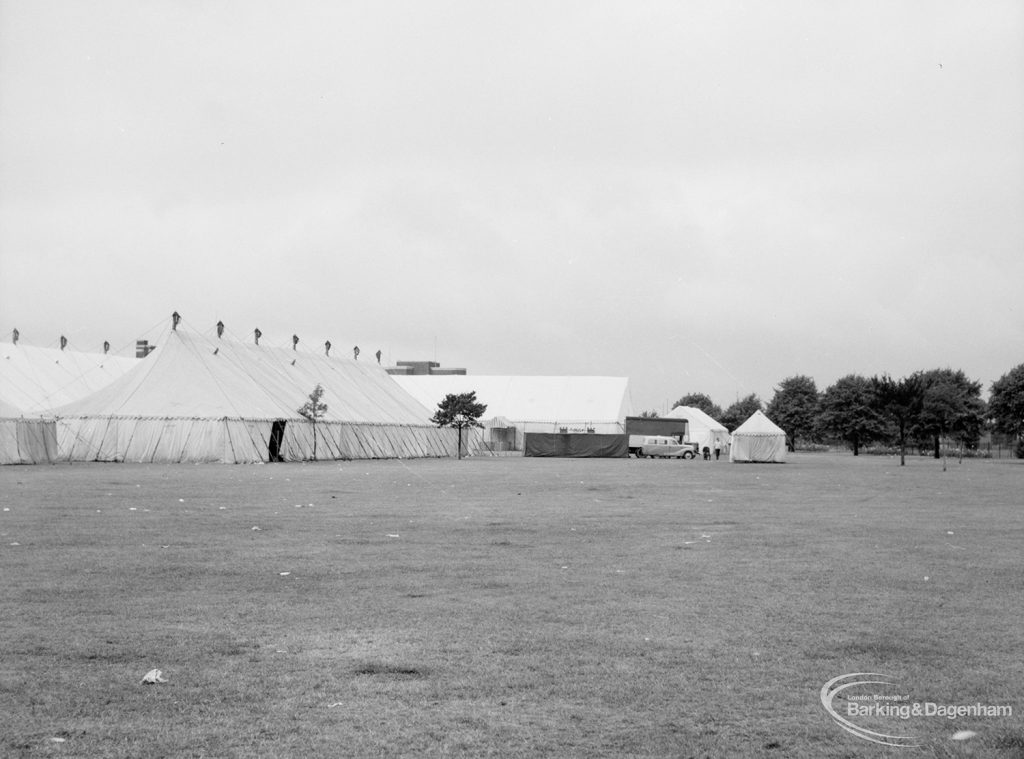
208 399
701 427
532 403
758 439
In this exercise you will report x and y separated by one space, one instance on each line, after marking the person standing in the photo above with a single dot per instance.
718 448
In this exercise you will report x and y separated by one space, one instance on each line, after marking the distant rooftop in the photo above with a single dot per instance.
420 368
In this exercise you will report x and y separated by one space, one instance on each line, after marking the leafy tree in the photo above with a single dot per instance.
794 407
648 414
313 410
950 404
740 411
701 401
459 410
899 401
1006 406
847 411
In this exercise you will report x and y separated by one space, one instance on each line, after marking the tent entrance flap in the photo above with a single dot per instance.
276 437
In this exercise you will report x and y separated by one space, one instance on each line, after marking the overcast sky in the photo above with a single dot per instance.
701 196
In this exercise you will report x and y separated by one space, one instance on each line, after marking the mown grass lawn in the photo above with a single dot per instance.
504 607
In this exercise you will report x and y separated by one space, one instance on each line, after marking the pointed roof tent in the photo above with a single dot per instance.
600 401
758 439
702 428
35 380
190 376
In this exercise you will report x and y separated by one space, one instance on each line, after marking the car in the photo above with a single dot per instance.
658 446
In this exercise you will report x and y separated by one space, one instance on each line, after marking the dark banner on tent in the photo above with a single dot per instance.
581 446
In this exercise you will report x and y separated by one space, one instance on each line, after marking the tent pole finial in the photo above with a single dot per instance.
175 320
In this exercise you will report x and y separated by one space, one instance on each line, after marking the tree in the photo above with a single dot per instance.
649 414
740 411
459 410
701 401
313 410
795 407
900 401
846 410
1006 406
950 404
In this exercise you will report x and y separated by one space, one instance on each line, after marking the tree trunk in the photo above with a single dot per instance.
936 442
856 446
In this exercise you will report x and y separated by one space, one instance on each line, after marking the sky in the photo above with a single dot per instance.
700 196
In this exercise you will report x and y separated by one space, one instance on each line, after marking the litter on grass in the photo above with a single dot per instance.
284 574
962 735
153 676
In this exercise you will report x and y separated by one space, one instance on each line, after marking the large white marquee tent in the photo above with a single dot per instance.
758 439
532 403
198 399
32 381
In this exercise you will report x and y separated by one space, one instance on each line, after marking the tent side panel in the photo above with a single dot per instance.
571 445
9 442
27 441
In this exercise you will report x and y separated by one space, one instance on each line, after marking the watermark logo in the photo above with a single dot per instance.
838 685
868 704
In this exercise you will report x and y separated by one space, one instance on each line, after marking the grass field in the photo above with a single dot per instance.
505 607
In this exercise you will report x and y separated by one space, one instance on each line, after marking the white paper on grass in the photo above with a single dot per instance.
153 676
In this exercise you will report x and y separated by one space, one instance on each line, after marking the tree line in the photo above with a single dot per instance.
922 409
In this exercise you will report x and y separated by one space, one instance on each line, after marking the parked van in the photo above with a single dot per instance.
660 446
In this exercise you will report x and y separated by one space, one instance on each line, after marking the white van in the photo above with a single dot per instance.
660 446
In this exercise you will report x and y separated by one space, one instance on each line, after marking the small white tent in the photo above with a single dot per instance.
701 428
758 439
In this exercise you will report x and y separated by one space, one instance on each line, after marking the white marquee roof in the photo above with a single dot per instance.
192 376
34 380
530 399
